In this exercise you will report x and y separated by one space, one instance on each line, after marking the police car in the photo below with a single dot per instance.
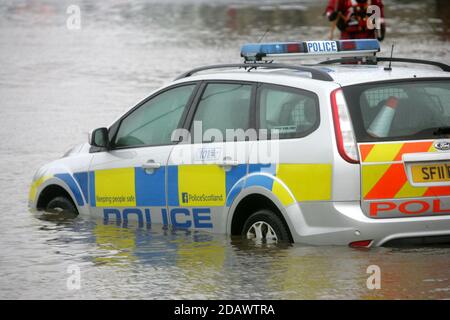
344 152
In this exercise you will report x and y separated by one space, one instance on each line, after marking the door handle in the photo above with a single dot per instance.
228 162
151 165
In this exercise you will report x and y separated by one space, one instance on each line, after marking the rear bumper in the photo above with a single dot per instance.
340 223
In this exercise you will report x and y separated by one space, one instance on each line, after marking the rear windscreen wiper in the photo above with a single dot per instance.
441 130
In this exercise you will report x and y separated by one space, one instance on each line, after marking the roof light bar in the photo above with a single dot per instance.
342 48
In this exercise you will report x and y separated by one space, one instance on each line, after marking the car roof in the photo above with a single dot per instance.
343 75
354 74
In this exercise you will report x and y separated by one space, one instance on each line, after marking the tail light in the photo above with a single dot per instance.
343 128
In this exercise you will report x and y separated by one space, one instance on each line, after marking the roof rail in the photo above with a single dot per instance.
316 74
442 66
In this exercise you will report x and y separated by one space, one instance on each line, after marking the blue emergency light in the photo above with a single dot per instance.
343 48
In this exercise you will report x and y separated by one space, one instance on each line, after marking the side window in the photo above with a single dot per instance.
154 121
224 106
292 112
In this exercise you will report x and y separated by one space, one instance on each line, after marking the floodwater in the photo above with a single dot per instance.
57 84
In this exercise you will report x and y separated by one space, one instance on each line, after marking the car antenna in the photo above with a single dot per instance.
261 39
390 61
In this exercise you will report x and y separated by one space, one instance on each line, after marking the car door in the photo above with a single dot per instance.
203 171
290 119
129 180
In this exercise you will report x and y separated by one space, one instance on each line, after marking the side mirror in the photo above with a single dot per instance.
99 138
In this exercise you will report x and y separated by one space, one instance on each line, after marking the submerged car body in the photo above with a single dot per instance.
342 155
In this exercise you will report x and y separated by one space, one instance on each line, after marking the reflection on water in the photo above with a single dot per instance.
163 263
56 85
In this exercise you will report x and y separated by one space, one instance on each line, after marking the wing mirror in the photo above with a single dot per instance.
100 138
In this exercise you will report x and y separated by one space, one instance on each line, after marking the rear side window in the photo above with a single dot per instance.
224 106
292 112
404 110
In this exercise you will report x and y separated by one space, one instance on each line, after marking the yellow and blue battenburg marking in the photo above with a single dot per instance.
194 186
294 182
127 187
201 185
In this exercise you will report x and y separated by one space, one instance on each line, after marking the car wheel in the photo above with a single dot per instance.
61 204
265 226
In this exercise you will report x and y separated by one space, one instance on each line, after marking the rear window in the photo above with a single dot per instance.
403 110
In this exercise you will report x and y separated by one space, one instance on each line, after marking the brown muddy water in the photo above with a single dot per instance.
58 84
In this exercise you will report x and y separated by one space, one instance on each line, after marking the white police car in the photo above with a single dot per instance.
349 153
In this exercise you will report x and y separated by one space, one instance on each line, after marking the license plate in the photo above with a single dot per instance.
436 172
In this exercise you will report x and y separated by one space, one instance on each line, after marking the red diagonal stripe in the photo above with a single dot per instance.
365 150
391 183
437 191
413 147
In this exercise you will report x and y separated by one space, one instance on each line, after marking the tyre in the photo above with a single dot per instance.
61 204
265 226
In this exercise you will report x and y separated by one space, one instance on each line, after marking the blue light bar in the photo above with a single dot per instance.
353 48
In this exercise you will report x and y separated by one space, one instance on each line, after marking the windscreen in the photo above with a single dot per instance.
401 110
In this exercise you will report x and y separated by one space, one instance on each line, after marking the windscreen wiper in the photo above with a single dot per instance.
441 130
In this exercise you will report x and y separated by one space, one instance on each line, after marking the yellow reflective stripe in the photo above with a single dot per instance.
307 182
409 191
35 185
201 185
432 148
115 188
282 194
371 175
383 152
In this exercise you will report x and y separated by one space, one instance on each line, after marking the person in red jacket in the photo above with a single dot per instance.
350 16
